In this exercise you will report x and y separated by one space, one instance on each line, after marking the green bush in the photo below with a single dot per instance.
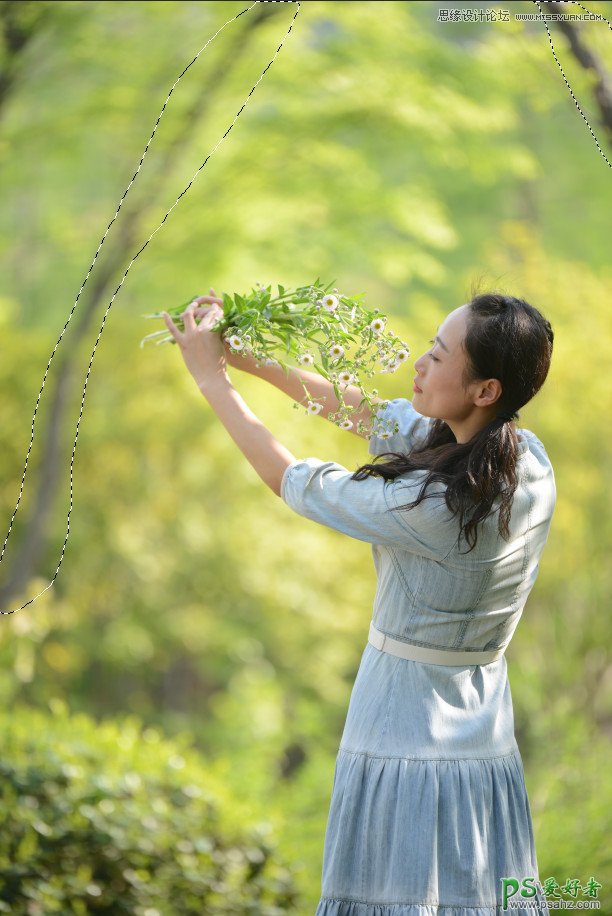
111 818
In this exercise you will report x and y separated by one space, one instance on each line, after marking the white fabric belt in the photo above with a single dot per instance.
431 656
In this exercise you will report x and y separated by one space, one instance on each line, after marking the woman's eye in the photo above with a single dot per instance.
435 358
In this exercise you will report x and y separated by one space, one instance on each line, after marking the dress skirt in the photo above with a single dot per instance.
429 809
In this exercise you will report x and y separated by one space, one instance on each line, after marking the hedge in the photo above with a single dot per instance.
113 818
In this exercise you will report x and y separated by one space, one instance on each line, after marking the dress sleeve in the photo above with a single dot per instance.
325 492
413 427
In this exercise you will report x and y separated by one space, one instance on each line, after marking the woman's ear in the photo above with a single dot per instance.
489 393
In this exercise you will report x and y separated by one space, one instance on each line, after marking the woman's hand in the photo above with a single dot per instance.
200 307
202 349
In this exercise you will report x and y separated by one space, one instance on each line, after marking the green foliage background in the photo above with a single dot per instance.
404 158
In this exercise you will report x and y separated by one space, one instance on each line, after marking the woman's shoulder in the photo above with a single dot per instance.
531 447
536 471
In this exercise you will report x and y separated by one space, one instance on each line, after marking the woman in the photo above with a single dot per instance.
429 811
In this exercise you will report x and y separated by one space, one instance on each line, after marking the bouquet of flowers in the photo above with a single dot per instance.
316 327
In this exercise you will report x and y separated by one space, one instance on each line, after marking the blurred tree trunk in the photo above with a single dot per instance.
20 22
101 287
589 61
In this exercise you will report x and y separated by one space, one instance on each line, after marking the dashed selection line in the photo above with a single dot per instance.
127 271
537 2
552 48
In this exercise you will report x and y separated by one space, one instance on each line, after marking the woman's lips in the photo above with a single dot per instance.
415 387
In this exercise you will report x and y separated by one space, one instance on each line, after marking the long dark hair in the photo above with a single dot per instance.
507 339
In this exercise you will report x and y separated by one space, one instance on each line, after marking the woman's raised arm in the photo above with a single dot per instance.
204 356
320 388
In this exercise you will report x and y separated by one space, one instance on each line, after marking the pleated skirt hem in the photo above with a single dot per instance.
420 831
336 906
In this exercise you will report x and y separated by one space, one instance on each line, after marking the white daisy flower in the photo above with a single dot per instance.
314 407
346 424
401 356
378 325
346 378
306 359
330 303
384 435
336 350
236 342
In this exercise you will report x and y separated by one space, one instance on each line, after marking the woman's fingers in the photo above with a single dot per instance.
171 325
208 313
199 308
206 300
188 318
214 309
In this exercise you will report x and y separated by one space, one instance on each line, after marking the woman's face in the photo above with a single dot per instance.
440 380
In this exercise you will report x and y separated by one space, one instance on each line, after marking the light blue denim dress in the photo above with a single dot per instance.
429 809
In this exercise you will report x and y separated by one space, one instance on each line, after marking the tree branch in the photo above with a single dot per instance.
128 231
589 61
20 22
